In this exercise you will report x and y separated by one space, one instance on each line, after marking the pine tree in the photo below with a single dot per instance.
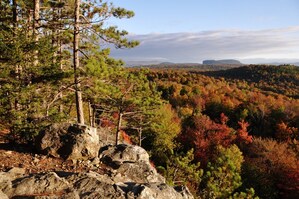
223 176
181 169
128 95
35 54
92 30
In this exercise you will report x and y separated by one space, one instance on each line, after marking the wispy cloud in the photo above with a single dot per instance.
218 44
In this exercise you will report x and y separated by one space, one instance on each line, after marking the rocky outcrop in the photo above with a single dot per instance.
126 174
74 142
86 185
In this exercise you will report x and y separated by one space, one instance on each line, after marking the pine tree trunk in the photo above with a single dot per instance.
120 115
90 111
35 29
15 105
79 100
14 14
140 135
57 43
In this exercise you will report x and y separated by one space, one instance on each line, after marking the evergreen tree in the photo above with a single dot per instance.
35 58
130 96
223 176
92 29
181 169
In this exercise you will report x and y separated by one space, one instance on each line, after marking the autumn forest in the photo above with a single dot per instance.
230 133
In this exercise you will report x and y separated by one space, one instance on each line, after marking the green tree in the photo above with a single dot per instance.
25 83
248 194
224 175
92 29
181 169
165 128
127 94
35 53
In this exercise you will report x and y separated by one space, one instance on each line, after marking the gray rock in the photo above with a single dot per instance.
6 178
2 195
140 172
74 142
50 140
129 174
130 164
48 184
151 191
73 178
184 191
87 186
114 156
92 185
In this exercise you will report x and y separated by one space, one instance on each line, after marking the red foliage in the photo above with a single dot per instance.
242 133
126 137
223 118
202 134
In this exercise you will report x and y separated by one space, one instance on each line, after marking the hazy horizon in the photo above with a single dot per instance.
250 31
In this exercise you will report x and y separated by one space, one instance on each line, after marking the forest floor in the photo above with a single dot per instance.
24 156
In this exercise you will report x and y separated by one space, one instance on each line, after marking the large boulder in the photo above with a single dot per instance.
114 156
69 141
130 164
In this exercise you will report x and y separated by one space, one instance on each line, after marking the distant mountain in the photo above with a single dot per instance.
217 64
166 63
188 66
220 62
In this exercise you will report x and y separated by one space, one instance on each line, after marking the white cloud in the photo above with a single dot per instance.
218 44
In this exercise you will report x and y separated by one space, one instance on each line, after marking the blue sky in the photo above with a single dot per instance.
194 30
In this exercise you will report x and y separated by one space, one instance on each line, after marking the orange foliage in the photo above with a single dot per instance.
126 137
285 133
223 118
242 132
